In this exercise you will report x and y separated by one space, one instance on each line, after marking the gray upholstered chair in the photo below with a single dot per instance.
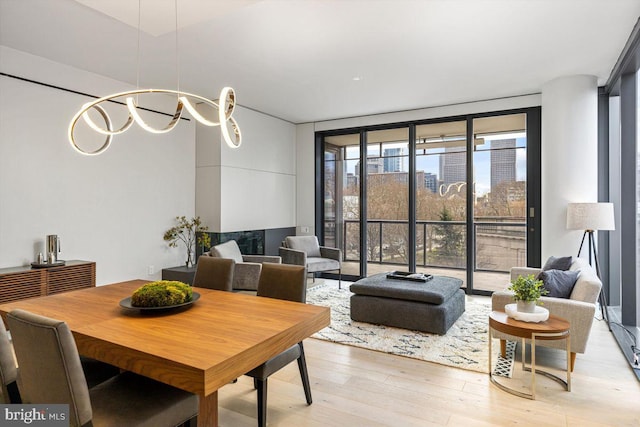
95 371
8 370
247 270
214 273
50 372
579 309
287 282
305 250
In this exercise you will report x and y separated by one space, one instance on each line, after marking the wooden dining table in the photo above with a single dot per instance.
199 348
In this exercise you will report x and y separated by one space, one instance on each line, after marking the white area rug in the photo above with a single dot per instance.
464 346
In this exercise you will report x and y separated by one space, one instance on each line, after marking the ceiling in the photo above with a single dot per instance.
313 60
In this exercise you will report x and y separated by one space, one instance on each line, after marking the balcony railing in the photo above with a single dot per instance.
499 244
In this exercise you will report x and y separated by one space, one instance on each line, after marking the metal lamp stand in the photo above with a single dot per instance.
592 250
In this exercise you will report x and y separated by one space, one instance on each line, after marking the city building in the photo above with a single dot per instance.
503 161
431 181
392 159
453 166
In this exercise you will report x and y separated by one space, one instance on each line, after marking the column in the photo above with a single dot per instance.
569 158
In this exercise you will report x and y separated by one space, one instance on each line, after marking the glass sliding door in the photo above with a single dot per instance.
441 208
500 199
445 197
387 200
332 171
342 199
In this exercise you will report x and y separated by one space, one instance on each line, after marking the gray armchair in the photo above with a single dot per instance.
248 267
305 250
578 309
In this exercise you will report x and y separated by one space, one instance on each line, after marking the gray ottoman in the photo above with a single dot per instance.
431 306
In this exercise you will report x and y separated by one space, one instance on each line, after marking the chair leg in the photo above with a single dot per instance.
340 279
255 383
14 393
262 401
304 375
193 422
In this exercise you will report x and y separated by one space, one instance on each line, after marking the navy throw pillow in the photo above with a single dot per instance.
558 263
559 283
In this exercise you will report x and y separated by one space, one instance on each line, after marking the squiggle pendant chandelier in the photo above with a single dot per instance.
225 110
225 107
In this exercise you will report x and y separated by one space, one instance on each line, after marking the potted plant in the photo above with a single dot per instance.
185 231
526 292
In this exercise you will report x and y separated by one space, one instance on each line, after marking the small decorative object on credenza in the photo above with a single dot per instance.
526 292
406 275
53 248
185 231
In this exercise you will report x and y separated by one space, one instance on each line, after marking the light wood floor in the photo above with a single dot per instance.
358 387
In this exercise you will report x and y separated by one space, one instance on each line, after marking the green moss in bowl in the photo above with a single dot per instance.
162 293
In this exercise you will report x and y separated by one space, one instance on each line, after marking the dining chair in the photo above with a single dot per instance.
247 271
8 369
214 273
51 372
286 282
94 370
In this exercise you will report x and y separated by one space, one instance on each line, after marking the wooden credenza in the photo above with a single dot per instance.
18 283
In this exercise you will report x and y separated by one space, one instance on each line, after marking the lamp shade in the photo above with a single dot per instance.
590 216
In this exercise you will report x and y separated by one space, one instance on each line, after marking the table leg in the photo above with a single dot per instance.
208 410
533 366
490 350
568 339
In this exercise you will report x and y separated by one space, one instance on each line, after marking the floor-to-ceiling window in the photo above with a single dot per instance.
500 197
441 203
445 196
341 219
387 194
619 182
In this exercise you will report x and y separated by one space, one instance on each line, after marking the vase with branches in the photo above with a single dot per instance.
186 231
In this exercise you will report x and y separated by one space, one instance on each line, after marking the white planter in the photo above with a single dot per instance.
526 306
541 314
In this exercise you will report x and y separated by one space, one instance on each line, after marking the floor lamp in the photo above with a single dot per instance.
591 217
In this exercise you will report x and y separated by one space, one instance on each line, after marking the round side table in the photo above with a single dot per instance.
554 328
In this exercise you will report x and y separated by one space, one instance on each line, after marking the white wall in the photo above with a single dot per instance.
208 171
112 208
305 188
251 187
569 157
305 139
